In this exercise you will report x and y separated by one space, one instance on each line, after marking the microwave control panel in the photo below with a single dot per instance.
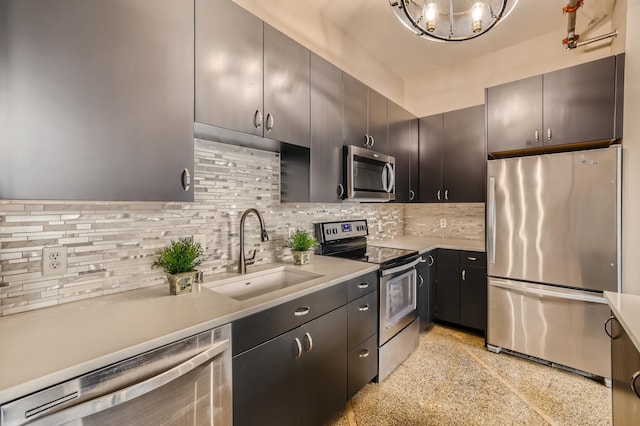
334 231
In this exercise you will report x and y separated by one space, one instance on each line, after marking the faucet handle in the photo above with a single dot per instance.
264 235
250 260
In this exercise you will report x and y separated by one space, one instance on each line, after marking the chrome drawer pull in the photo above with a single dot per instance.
633 383
302 311
472 258
363 354
364 308
298 347
363 285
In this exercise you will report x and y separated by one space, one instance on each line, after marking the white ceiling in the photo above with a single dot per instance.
373 25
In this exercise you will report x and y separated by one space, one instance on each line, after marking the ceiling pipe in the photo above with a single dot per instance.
571 42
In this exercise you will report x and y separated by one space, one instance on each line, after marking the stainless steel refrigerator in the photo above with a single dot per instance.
553 247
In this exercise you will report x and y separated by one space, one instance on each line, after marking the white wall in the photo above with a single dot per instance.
631 155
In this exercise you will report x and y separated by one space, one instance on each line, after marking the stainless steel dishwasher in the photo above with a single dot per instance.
184 383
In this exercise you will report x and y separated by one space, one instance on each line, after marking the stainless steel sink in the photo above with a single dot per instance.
259 283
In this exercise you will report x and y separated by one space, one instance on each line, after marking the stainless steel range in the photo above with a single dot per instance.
398 325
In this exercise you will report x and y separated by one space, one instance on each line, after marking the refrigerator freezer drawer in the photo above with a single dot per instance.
559 325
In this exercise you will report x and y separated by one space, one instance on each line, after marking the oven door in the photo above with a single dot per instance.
397 302
370 175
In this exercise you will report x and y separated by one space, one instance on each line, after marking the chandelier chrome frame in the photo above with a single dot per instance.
448 24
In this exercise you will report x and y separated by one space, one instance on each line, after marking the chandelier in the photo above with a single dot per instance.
451 20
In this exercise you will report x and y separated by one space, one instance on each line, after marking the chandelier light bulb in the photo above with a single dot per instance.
476 14
429 14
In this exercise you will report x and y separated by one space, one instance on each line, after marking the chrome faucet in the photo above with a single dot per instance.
243 262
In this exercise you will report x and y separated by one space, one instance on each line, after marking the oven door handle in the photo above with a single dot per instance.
134 391
401 268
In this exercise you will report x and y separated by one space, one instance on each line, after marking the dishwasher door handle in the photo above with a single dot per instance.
134 391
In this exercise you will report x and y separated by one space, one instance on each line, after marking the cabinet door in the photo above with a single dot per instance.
97 99
354 111
401 146
324 378
266 383
286 88
229 67
625 362
473 297
579 103
430 155
377 122
414 162
464 155
426 289
514 115
326 132
448 286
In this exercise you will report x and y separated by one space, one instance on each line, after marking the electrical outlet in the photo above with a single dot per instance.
443 223
290 231
54 261
200 238
379 226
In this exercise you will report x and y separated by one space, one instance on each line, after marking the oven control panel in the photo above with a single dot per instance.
333 231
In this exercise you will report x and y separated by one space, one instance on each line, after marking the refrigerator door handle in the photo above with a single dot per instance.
491 219
549 293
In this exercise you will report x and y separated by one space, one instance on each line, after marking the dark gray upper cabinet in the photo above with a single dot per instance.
464 159
431 142
403 145
514 115
286 88
355 95
229 67
250 78
96 100
453 156
377 122
580 104
364 116
326 132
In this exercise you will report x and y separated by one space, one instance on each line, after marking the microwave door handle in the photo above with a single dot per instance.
392 177
134 391
384 178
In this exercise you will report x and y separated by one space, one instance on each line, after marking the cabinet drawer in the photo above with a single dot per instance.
473 258
362 285
362 365
262 326
362 319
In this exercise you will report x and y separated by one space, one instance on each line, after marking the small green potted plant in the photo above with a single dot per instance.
301 245
179 261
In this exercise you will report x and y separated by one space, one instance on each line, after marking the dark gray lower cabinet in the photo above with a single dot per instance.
297 378
362 341
427 272
625 364
461 289
96 100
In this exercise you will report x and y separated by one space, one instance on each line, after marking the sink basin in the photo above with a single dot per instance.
259 283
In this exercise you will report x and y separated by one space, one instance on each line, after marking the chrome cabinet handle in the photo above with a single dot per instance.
132 392
633 383
464 275
536 134
186 180
366 142
431 260
373 141
309 342
257 119
363 285
302 311
472 258
340 191
363 353
549 134
446 194
421 281
412 195
364 308
298 347
439 195
270 122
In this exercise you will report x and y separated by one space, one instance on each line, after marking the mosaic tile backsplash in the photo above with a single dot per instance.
463 220
111 245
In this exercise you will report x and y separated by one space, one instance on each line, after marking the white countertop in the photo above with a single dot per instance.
425 244
626 308
48 346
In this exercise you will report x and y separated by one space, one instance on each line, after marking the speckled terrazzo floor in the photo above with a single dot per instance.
451 379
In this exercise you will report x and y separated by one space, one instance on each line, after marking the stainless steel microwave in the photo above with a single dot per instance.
370 175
